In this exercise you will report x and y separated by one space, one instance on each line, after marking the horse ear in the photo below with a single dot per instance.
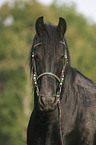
39 26
62 27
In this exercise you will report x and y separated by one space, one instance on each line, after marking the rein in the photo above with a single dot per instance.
60 80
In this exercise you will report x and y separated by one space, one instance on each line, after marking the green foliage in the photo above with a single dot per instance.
15 42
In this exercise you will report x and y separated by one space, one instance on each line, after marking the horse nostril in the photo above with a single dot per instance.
42 99
47 100
54 98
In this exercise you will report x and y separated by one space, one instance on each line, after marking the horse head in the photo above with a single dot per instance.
49 57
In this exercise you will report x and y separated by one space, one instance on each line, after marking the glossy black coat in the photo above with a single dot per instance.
78 97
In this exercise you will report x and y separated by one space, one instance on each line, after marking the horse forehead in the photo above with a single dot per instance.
51 40
53 47
50 49
51 43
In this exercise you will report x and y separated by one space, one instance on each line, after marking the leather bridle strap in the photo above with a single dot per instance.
50 74
60 80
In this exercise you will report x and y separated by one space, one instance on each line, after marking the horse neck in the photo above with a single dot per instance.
49 117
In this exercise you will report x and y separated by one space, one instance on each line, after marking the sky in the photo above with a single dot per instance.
85 7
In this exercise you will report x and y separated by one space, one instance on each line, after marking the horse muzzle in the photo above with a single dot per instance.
47 103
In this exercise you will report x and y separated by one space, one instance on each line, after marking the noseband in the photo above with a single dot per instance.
60 80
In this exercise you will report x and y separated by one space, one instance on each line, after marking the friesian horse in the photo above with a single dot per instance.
64 99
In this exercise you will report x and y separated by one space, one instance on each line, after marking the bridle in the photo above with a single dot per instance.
60 80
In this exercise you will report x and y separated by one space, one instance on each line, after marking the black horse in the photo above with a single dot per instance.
64 99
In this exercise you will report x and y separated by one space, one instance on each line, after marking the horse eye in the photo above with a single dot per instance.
62 56
37 57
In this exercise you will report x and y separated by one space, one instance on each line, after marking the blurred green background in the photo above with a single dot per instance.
16 33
